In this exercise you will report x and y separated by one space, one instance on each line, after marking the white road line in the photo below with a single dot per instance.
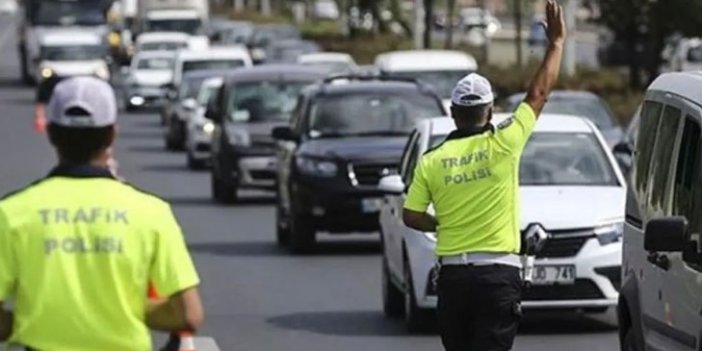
205 344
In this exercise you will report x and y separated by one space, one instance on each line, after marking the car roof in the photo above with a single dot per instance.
554 123
206 73
71 38
154 54
416 60
325 57
214 53
277 72
162 36
685 84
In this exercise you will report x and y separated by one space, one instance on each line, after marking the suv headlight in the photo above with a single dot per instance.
316 167
206 127
610 233
46 72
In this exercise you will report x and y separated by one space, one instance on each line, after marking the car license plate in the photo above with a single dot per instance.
371 205
550 275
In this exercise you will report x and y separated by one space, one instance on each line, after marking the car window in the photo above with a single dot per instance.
73 53
688 185
590 108
264 101
694 54
190 87
207 94
664 144
412 161
650 116
370 113
163 46
442 81
189 66
407 154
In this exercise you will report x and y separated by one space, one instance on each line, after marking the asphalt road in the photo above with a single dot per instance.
258 297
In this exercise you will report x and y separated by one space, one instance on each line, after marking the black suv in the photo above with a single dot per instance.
345 134
251 102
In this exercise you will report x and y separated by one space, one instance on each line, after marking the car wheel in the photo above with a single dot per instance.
222 192
194 163
393 299
417 319
302 233
629 343
282 230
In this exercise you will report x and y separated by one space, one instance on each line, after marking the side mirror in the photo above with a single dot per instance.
391 184
669 234
623 148
284 133
189 104
212 112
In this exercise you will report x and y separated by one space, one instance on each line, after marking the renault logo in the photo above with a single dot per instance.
536 235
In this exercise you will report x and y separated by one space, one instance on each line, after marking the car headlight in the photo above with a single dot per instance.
316 167
610 233
102 73
47 72
207 128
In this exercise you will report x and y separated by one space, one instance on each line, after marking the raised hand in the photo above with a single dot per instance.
555 24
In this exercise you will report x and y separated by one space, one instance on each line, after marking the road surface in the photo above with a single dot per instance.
258 297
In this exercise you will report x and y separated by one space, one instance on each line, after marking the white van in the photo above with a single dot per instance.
67 53
441 69
212 59
660 301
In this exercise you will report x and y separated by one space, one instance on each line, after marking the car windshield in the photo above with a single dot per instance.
574 159
192 26
190 87
443 82
370 114
694 54
264 101
591 108
73 53
67 13
163 46
189 66
160 63
206 93
237 35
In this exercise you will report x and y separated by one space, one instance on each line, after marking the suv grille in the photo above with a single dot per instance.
370 174
565 243
583 289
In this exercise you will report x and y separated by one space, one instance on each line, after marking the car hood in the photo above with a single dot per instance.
355 148
152 77
569 207
74 68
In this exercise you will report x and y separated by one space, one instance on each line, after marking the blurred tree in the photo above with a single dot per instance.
428 22
399 17
642 27
450 11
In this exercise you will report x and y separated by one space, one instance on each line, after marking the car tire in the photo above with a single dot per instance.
222 192
194 163
417 319
629 342
302 233
282 233
393 298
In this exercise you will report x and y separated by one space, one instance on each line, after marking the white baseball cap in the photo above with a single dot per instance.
472 90
82 102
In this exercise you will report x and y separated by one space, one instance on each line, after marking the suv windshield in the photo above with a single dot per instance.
588 107
60 13
574 159
163 46
264 101
189 66
73 53
188 26
161 63
443 82
370 114
190 87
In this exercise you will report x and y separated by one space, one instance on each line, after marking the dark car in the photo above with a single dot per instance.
265 35
182 105
251 103
581 104
345 134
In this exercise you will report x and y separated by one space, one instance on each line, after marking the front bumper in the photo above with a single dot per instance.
139 96
257 172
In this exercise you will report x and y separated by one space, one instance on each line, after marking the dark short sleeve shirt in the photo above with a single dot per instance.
46 88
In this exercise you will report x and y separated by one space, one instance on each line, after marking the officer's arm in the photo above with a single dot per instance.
420 221
181 311
547 74
6 319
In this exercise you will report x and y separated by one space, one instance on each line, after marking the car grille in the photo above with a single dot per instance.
583 289
262 175
565 243
370 173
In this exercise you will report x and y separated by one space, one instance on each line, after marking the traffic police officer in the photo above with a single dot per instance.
472 181
78 247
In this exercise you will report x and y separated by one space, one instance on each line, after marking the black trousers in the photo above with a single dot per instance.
479 307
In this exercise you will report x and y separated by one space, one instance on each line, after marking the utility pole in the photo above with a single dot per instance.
569 52
418 24
428 21
518 27
484 26
239 5
266 7
451 7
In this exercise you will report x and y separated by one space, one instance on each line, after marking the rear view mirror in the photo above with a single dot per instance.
669 234
284 133
212 111
623 148
391 184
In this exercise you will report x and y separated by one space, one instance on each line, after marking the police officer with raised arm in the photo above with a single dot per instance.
472 181
79 247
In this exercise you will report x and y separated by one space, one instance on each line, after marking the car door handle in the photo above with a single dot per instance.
660 260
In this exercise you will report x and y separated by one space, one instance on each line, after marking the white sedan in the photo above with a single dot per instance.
571 188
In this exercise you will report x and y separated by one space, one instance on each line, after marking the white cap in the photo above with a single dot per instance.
82 102
472 90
